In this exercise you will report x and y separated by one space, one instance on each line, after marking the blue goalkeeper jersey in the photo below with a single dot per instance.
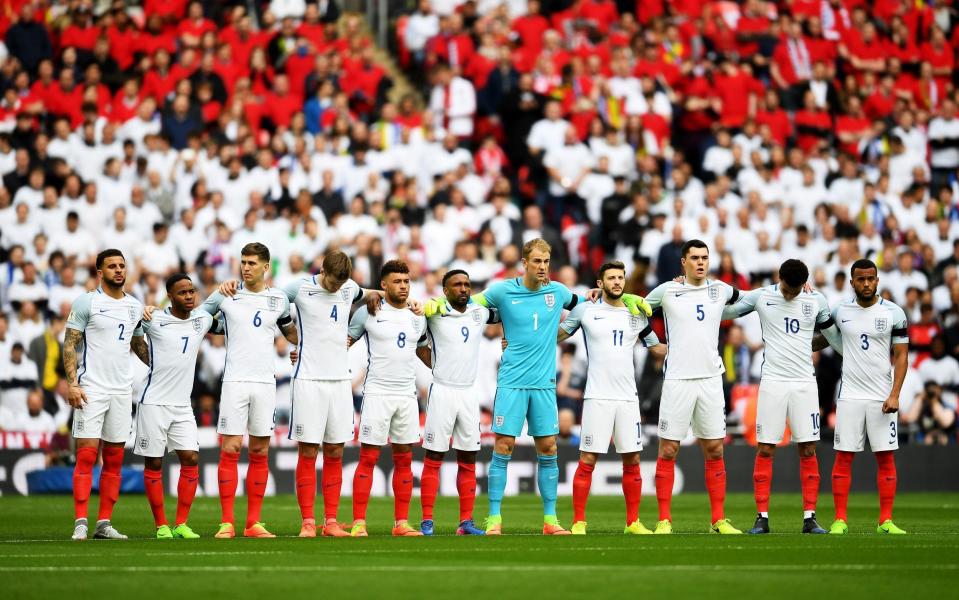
530 322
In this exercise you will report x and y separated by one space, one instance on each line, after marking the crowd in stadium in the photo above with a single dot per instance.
180 131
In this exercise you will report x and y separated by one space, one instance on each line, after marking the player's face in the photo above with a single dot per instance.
865 282
613 284
696 263
537 266
458 290
183 296
331 283
113 273
252 269
397 287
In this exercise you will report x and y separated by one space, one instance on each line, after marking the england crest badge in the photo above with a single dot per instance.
197 325
713 293
807 310
882 324
273 302
550 300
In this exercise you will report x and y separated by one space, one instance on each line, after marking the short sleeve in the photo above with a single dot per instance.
572 321
655 297
293 288
492 297
647 335
80 313
285 314
742 307
359 294
824 318
212 304
216 326
732 294
138 331
358 323
900 326
492 316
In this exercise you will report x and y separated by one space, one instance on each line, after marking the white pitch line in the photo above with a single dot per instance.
459 568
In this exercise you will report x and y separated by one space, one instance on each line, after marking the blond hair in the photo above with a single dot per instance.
536 244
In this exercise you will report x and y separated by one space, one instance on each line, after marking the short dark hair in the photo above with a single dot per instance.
690 244
172 280
108 253
337 264
394 266
862 263
453 272
613 264
256 249
794 272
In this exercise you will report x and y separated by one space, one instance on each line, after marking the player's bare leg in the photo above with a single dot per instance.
547 479
306 486
362 484
403 490
665 475
256 478
109 490
496 482
632 493
466 489
582 481
87 451
429 488
716 485
227 479
332 484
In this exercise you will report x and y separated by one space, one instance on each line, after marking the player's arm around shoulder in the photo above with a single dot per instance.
571 323
655 298
745 304
358 324
212 304
828 333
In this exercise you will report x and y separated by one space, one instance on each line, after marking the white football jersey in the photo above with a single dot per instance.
323 320
250 324
455 338
788 328
174 345
692 316
108 324
867 338
610 334
392 336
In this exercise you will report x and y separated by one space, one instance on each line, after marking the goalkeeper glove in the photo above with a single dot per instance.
637 304
434 306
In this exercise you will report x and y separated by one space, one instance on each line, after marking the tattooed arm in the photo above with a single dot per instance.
139 346
71 344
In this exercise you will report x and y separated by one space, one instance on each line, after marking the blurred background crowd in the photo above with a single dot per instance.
176 131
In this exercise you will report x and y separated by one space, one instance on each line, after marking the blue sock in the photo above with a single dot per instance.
496 482
547 478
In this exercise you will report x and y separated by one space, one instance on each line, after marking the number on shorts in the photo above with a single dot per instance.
333 313
617 337
700 314
792 325
186 340
864 338
401 340
535 321
815 421
892 431
122 329
257 321
639 431
465 333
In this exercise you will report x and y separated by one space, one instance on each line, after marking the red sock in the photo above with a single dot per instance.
429 486
153 483
841 480
582 480
186 492
809 478
332 483
886 482
716 487
306 485
466 487
363 481
665 471
227 477
110 480
256 476
83 480
632 491
402 484
762 481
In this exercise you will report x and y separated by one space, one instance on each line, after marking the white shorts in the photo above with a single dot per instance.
108 418
389 418
616 419
858 419
696 402
322 411
247 407
161 428
452 413
797 401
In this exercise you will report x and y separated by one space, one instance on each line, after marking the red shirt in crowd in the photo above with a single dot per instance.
123 43
734 90
851 124
811 127
778 122
83 38
530 29
601 12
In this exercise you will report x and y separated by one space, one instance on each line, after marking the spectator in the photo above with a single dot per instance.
18 376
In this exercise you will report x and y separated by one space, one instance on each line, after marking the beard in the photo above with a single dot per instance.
611 295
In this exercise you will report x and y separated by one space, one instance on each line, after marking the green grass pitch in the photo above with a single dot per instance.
37 560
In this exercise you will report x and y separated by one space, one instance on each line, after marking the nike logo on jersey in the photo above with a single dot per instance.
598 318
381 320
678 294
517 301
103 310
165 324
846 320
772 304
313 293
